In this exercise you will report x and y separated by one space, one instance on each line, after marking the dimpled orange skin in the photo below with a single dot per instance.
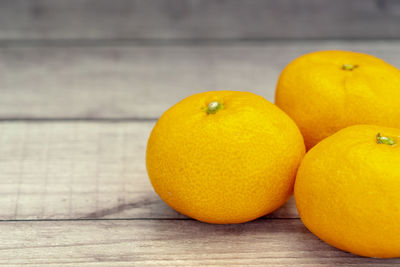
322 97
347 191
229 167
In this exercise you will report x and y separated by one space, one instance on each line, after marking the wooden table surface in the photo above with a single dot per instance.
77 105
73 132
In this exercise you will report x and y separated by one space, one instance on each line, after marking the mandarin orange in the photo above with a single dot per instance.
347 190
326 91
224 156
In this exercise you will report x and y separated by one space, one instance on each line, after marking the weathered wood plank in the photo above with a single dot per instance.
143 81
170 242
80 170
198 19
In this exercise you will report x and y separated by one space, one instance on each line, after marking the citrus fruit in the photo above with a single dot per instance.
326 91
224 156
347 190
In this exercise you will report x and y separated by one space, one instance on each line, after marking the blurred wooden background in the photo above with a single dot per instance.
56 20
84 81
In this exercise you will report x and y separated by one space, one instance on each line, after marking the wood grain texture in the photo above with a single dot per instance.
198 19
143 81
76 193
171 243
79 170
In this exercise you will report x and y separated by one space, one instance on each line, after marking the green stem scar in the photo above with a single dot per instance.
349 66
385 140
213 107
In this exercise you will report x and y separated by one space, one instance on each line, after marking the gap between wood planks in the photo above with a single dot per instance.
138 219
32 43
72 120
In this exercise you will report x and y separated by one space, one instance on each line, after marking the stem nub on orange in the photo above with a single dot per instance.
224 156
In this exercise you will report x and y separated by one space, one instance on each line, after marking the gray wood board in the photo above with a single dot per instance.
81 170
198 19
169 242
143 81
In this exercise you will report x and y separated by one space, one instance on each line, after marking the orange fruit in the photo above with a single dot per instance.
326 91
224 156
347 190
